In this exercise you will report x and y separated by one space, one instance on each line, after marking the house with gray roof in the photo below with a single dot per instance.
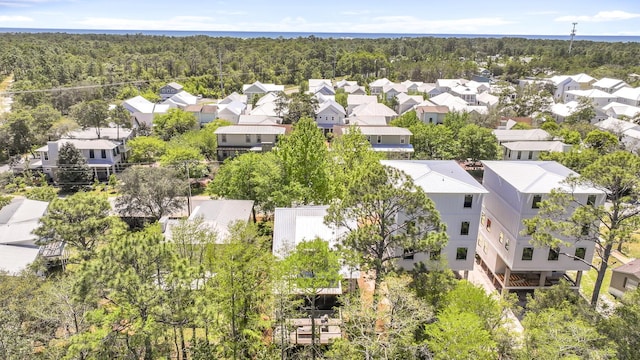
375 87
521 135
329 114
374 109
204 113
392 140
516 189
407 102
18 246
170 90
625 278
432 114
609 85
531 150
458 198
143 111
354 101
238 139
258 89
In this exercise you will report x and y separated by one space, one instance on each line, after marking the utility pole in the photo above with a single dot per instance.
186 165
573 34
220 73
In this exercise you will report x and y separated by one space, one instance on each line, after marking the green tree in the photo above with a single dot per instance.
44 116
151 192
406 120
478 143
584 113
311 267
431 141
121 117
603 142
618 176
569 136
19 131
297 107
81 221
94 113
174 122
251 176
145 149
45 192
576 159
184 158
622 327
305 158
73 173
456 121
5 200
387 216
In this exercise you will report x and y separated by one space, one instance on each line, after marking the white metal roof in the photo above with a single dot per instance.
14 259
535 177
521 135
373 109
557 146
251 129
438 176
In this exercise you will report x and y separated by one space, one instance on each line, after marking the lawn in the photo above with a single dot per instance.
589 280
632 249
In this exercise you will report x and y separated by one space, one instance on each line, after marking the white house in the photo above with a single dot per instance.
465 93
330 113
599 98
259 89
375 87
407 102
391 140
391 90
344 83
169 90
231 111
204 113
516 189
432 114
628 96
561 111
412 86
627 132
609 85
563 83
617 110
181 100
233 97
445 85
238 139
430 89
530 150
488 100
355 90
143 111
374 109
458 198
316 85
354 101
521 135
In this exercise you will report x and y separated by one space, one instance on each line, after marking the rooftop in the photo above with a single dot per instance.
438 176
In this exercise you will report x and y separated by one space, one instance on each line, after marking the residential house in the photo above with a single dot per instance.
233 97
625 278
18 246
391 90
628 133
458 198
455 103
430 90
355 90
394 141
374 109
412 86
238 139
330 113
465 93
257 89
609 85
521 135
375 87
488 100
259 120
291 227
354 101
143 111
562 84
169 90
628 96
103 156
204 113
445 85
585 81
231 111
407 102
618 110
366 121
322 97
323 86
530 150
344 83
432 114
216 215
268 98
516 189
562 111
181 100
599 98
267 109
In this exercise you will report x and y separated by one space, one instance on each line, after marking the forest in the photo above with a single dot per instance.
126 293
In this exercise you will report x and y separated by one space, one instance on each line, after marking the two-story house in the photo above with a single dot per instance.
329 114
169 90
238 139
392 140
375 87
258 89
609 85
103 156
407 102
432 114
531 150
458 198
354 101
204 113
392 90
628 96
374 109
516 189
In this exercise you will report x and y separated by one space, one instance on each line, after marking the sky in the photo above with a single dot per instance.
504 17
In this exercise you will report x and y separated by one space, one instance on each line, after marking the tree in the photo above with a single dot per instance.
251 176
387 216
174 122
5 200
150 191
73 173
603 142
94 113
184 158
584 113
311 267
81 221
298 106
622 326
456 121
575 159
44 116
19 130
305 158
478 143
145 149
120 116
431 141
44 192
617 175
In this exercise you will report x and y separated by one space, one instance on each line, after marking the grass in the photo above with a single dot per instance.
589 279
632 248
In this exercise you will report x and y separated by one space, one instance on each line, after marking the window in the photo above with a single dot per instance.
580 253
530 155
92 154
554 254
468 201
483 218
401 139
379 139
488 224
591 200
519 155
536 201
527 253
461 253
258 138
408 254
630 284
430 120
435 255
46 155
464 228
247 138
113 151
501 238
507 243
584 231
223 138
103 153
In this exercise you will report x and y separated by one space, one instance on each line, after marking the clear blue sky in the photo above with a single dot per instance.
510 17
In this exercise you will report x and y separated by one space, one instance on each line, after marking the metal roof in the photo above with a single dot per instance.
251 129
438 176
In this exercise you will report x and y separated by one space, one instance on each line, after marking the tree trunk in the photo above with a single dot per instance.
148 350
601 272
183 344
313 328
620 245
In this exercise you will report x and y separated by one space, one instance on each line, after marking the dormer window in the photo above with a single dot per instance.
535 204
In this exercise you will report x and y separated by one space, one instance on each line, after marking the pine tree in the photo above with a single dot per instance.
73 171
